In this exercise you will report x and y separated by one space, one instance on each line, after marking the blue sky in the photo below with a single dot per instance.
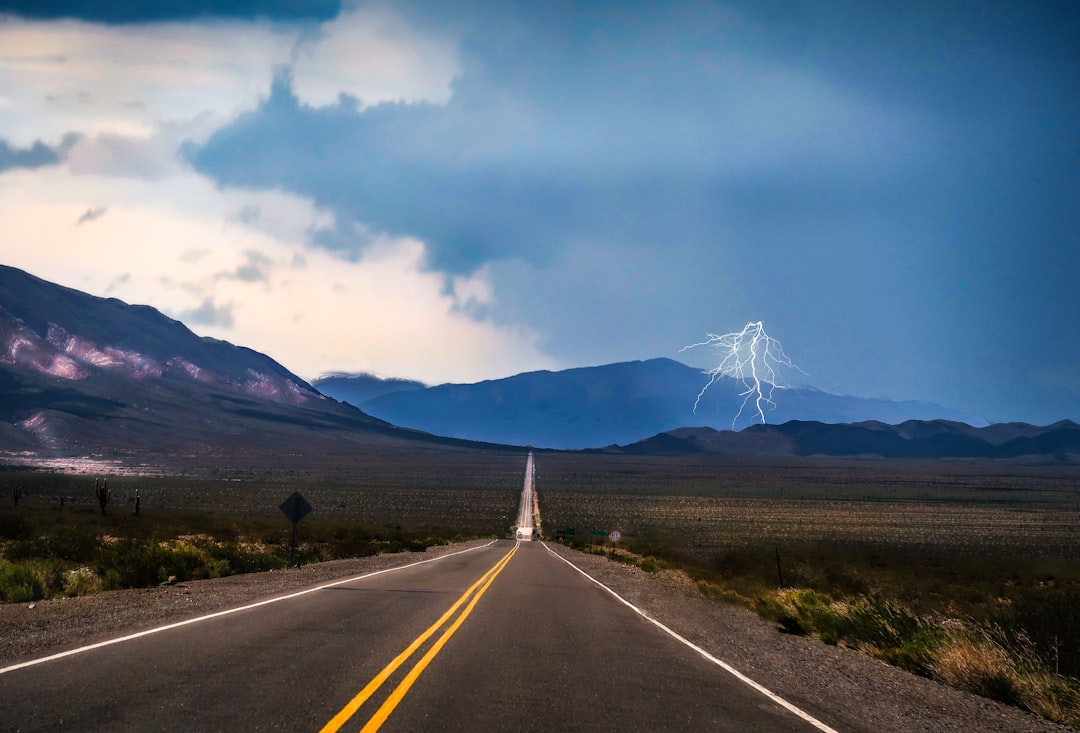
454 191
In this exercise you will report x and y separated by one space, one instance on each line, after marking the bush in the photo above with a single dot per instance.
19 584
81 582
231 559
131 563
978 666
76 544
1050 618
773 610
881 623
918 653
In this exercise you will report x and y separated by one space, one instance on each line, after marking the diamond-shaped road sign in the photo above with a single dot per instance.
295 507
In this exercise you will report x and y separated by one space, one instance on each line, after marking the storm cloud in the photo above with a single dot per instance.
891 188
37 155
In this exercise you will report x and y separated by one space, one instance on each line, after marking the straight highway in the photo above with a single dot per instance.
505 636
525 510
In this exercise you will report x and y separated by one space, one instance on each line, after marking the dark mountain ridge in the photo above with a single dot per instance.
912 439
614 404
356 389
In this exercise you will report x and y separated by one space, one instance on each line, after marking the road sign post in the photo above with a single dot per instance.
615 535
295 508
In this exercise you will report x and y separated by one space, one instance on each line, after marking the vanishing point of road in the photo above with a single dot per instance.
507 636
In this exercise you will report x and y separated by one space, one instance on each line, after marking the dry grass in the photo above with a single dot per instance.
974 664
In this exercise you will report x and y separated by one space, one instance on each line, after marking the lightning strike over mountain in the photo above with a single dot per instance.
752 357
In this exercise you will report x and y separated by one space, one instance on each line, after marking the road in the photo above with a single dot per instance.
525 510
503 637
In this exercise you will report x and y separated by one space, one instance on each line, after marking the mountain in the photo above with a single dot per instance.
356 389
82 376
88 376
910 439
615 404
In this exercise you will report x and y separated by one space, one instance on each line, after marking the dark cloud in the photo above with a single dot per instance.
208 314
37 155
91 215
252 271
892 189
141 11
118 282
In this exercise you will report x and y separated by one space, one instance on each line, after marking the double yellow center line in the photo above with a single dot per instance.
384 711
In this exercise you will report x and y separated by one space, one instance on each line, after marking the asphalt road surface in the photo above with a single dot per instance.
506 637
525 510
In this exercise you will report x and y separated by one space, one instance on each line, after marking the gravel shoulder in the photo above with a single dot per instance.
842 688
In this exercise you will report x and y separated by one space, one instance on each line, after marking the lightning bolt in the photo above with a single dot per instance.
753 358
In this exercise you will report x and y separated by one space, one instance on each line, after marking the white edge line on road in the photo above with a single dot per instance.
226 612
719 662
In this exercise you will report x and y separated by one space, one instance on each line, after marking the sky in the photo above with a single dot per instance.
457 191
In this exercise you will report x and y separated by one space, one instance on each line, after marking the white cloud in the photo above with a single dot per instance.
309 309
126 81
123 215
139 82
370 54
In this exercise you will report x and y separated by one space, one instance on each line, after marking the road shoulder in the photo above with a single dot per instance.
844 689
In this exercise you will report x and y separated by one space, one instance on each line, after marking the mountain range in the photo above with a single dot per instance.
912 439
357 389
83 376
88 376
597 406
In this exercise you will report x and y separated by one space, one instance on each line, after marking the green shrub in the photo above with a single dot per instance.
880 622
81 582
650 564
229 558
133 563
76 544
19 584
773 610
918 653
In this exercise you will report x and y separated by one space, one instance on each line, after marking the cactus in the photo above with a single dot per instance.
16 494
103 492
138 500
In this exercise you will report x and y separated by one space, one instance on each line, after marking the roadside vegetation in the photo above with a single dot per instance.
999 627
964 573
967 573
60 540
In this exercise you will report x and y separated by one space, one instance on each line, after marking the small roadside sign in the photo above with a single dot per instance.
295 507
597 532
615 535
